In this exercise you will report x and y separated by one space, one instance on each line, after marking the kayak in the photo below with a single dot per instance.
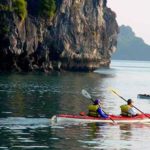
87 119
144 96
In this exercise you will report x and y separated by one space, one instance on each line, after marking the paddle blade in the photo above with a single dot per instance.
86 94
113 91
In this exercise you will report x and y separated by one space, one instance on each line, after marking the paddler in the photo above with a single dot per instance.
95 110
127 109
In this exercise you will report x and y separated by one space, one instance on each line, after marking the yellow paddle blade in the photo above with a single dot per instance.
113 91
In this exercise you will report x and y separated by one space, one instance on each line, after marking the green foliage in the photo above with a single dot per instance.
20 8
4 30
47 8
5 8
4 27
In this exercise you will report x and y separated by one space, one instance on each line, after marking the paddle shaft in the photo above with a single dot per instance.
132 105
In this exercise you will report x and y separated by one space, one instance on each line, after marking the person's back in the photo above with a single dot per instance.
127 110
95 110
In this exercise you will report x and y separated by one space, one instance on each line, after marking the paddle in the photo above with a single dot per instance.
87 95
132 105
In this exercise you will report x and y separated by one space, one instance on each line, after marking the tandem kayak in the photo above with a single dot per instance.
87 119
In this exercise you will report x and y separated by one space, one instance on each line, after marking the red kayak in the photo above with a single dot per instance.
142 118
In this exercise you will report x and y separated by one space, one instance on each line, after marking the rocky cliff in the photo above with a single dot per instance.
80 35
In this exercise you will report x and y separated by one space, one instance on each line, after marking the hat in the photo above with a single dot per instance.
97 101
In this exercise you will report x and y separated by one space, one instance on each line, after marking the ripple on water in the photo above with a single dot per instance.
31 147
4 148
19 123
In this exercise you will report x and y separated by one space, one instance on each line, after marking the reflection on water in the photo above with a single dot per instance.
27 101
83 136
123 136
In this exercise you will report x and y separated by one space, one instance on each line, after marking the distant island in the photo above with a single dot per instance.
131 47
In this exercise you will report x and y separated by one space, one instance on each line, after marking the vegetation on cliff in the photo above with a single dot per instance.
47 8
3 28
4 8
20 8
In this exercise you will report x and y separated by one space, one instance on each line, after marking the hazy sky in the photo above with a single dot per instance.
135 13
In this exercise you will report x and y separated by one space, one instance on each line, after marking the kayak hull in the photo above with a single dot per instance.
87 119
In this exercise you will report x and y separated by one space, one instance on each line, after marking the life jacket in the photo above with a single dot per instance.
125 109
93 110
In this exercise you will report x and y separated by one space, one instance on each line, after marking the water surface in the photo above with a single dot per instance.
27 101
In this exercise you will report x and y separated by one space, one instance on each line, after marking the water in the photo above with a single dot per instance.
27 101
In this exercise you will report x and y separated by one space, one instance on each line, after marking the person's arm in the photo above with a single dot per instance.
101 113
132 112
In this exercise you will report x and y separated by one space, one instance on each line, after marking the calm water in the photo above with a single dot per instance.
27 101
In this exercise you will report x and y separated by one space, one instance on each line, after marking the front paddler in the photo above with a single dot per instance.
95 110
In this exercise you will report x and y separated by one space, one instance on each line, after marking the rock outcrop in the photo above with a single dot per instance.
81 36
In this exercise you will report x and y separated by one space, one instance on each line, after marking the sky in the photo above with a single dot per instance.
134 13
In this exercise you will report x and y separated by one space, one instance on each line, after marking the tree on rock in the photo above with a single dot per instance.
47 8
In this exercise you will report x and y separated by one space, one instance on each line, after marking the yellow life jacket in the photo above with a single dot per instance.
125 109
93 110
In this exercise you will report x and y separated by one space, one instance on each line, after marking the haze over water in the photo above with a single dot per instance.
27 101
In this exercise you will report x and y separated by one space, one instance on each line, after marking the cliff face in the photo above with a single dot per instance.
80 36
